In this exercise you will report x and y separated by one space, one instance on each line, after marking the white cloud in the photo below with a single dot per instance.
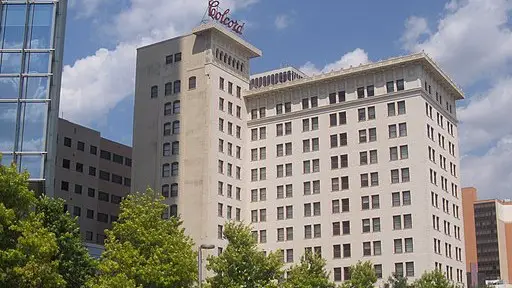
473 42
85 8
353 58
282 21
94 85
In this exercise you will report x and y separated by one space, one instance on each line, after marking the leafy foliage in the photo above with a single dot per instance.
362 275
397 281
242 264
309 273
433 279
40 246
75 264
144 250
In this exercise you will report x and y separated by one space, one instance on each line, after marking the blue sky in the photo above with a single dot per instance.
470 39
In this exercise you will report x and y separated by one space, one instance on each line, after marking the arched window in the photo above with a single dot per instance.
237 65
176 107
166 170
289 76
264 81
174 190
168 109
168 88
242 67
174 169
229 60
221 55
217 53
260 82
167 129
273 79
175 148
154 91
268 79
177 86
165 191
252 83
176 127
192 83
225 57
167 149
174 210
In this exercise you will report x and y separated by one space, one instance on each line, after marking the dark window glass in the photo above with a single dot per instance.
104 175
105 155
92 171
102 217
66 163
370 90
93 150
90 214
77 211
390 86
400 85
118 159
78 189
177 57
115 199
91 192
67 142
168 59
64 186
192 83
177 86
102 196
117 179
80 146
360 92
168 89
128 162
154 91
79 167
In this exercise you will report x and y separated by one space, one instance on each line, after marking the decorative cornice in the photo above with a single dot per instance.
420 58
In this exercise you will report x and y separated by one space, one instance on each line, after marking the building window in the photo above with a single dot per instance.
102 196
390 86
90 214
167 149
370 90
174 169
93 150
115 199
360 92
78 189
400 85
177 57
104 175
230 88
238 91
165 191
166 170
66 163
221 83
176 107
80 146
167 109
91 192
168 89
192 83
176 127
154 91
168 59
177 86
105 155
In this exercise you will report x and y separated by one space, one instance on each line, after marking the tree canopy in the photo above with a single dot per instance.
362 275
144 250
433 279
309 273
242 264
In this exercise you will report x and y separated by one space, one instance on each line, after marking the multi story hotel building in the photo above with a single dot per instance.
488 239
357 164
31 51
92 174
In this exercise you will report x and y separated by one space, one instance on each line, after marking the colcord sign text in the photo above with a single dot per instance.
222 17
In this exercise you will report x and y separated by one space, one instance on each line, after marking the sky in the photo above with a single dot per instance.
470 39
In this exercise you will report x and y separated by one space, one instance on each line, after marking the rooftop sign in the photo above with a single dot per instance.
222 17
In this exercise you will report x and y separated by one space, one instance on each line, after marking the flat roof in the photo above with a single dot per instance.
418 57
253 51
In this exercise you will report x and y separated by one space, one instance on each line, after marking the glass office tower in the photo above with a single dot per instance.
31 48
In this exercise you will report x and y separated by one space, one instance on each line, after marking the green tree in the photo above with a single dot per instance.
433 279
144 250
40 245
75 264
362 275
397 281
309 273
27 249
242 264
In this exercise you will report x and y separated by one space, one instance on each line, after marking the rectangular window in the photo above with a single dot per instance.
221 83
401 107
346 227
391 109
370 90
400 85
360 92
390 86
336 229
